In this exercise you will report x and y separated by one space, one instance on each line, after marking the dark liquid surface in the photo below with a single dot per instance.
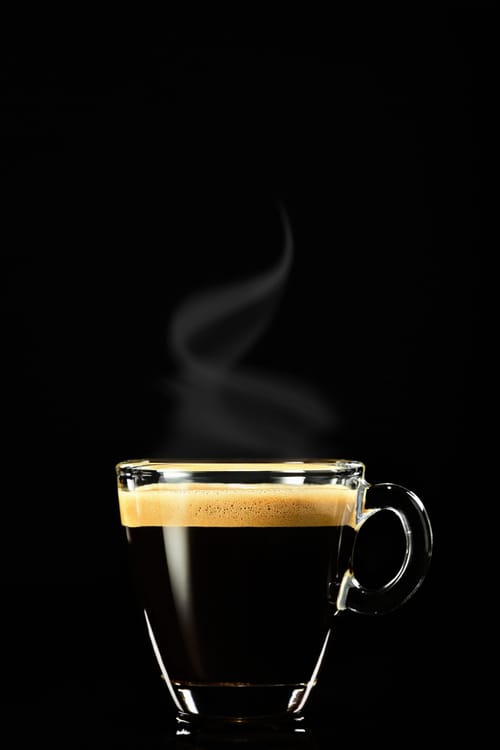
239 605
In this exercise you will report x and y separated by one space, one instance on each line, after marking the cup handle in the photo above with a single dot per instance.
418 551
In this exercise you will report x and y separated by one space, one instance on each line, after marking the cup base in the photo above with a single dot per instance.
285 731
240 703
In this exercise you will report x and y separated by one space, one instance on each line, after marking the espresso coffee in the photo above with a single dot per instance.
239 585
241 567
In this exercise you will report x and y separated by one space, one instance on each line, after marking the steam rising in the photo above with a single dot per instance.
224 408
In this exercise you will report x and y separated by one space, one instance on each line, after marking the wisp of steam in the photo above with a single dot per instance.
225 409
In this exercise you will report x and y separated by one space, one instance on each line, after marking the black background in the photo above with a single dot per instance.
136 174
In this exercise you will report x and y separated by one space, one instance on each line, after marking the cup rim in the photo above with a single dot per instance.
282 466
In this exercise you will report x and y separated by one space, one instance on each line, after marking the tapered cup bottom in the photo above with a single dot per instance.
239 707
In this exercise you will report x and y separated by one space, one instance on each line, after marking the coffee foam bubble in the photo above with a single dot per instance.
189 504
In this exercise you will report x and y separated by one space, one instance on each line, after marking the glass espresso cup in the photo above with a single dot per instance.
242 567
